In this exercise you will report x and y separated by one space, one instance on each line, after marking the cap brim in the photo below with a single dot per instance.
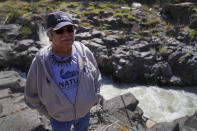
62 24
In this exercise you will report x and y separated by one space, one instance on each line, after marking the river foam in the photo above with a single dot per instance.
158 104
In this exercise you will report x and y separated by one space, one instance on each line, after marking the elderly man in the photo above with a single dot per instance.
63 82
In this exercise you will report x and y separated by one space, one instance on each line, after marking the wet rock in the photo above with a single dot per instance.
9 32
178 12
124 108
190 123
184 65
181 124
193 21
116 113
125 101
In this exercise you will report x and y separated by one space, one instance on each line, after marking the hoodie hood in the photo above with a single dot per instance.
43 53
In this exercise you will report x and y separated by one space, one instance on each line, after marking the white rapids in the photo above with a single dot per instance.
158 104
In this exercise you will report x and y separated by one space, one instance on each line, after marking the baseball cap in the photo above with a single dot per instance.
58 19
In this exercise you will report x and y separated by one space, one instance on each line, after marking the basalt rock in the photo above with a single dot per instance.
12 80
187 123
10 32
179 12
122 110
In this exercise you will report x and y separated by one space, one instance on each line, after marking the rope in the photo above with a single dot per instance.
110 125
116 122
126 110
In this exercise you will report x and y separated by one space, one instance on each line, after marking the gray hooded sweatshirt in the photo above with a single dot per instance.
43 94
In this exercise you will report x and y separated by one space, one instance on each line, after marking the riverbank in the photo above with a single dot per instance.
115 114
167 104
147 44
132 44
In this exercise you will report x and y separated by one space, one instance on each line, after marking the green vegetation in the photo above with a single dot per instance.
73 5
121 36
63 6
194 9
138 36
192 34
156 6
191 53
22 10
119 15
152 23
123 128
91 12
130 17
163 50
104 6
126 10
25 31
146 8
85 24
5 39
108 32
168 26
13 10
156 34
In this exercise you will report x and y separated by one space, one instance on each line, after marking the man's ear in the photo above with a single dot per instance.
49 34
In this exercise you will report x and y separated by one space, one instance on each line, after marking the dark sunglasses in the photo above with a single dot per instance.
69 29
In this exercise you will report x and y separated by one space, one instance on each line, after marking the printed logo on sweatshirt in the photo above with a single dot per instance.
70 79
68 74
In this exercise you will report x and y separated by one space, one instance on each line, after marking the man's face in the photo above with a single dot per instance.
63 37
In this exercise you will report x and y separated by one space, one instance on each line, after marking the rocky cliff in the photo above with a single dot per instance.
134 43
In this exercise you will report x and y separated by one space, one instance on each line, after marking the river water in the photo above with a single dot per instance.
158 104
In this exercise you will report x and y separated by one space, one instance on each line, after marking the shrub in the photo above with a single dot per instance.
92 7
120 15
191 53
108 32
125 10
121 36
192 33
163 50
104 6
156 34
91 12
168 26
152 23
73 5
130 17
14 11
85 24
145 8
25 31
62 6
156 6
35 7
